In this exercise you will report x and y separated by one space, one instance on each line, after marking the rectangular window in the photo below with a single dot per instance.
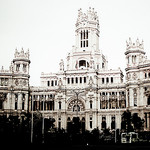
84 79
80 79
55 82
112 80
68 80
90 104
1 104
24 67
107 80
52 83
72 80
48 83
81 43
102 65
23 105
86 43
59 105
90 124
59 124
76 79
87 34
103 80
16 105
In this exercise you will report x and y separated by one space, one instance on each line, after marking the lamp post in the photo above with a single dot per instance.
115 127
43 124
32 121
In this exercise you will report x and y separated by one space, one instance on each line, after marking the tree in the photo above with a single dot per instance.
131 122
137 122
127 121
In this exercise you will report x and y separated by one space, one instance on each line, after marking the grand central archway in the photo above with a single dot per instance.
76 115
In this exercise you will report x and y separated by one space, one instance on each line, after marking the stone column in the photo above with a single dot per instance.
26 102
131 103
19 101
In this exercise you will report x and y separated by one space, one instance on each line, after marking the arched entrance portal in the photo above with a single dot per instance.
76 115
76 125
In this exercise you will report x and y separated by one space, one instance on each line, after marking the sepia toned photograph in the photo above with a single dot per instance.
75 73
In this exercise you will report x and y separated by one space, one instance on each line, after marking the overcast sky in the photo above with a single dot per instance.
47 28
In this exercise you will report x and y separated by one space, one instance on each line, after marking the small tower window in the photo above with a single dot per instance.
87 34
24 67
83 43
81 35
84 34
84 39
86 43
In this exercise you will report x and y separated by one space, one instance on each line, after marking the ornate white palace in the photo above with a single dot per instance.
86 89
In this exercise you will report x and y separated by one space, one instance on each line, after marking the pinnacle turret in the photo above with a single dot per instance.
89 17
134 46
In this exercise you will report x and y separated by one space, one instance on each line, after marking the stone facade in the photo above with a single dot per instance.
85 87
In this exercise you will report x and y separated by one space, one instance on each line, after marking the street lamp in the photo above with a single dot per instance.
32 121
43 122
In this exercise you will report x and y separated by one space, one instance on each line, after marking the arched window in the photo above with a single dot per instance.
82 63
76 108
